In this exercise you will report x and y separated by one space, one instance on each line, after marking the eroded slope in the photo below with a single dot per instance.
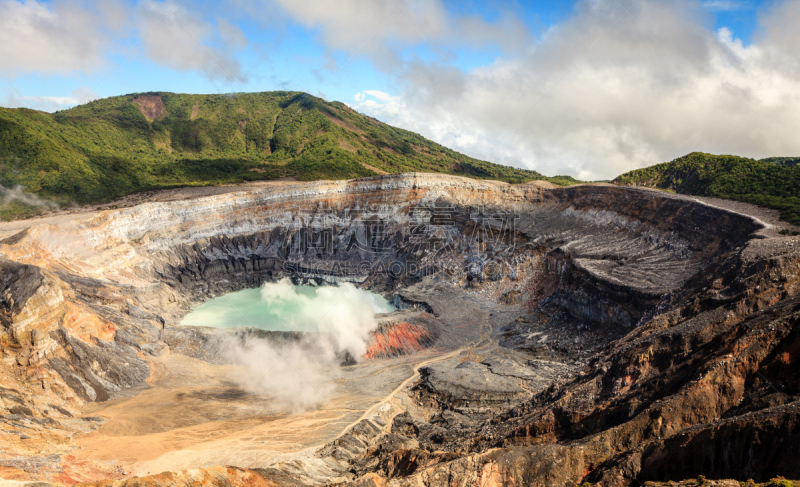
577 327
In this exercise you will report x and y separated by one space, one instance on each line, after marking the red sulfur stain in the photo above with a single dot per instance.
397 339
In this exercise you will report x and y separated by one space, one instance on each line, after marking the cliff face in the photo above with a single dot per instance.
703 388
630 322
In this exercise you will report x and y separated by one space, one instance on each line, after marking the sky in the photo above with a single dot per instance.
588 88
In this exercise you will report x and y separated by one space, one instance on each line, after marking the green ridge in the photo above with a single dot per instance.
773 182
108 148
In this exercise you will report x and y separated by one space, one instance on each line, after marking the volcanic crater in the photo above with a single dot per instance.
543 336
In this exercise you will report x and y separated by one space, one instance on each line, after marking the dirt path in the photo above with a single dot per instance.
399 388
767 217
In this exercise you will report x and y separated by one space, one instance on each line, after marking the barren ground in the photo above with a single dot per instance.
195 416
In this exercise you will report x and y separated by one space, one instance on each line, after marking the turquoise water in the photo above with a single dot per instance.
283 306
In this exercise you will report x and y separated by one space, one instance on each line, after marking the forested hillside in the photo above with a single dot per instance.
773 182
120 145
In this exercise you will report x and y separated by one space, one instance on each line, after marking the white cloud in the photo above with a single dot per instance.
14 99
727 5
178 38
379 28
65 37
618 85
608 91
57 38
379 96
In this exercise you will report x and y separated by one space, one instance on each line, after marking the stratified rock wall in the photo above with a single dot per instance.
614 253
84 304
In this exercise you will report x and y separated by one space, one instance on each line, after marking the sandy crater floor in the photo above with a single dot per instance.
194 416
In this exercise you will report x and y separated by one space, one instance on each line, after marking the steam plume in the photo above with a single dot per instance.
298 376
18 193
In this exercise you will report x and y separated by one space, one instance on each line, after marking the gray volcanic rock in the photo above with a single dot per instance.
468 383
97 372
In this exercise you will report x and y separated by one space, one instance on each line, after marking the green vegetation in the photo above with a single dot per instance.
773 183
108 148
16 209
784 161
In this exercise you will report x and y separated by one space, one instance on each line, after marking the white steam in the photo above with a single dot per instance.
297 376
18 194
343 315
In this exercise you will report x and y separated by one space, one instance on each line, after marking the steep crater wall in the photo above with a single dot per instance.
114 287
605 255
610 254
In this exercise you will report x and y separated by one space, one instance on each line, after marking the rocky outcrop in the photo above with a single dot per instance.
704 388
402 333
32 301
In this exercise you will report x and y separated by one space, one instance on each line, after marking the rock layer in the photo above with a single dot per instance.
609 334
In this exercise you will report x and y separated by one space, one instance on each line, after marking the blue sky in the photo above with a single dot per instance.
446 69
291 56
284 56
